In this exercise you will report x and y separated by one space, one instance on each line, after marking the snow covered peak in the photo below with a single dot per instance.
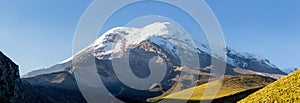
114 42
162 27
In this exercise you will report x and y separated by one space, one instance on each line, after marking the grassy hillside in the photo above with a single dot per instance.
285 90
230 87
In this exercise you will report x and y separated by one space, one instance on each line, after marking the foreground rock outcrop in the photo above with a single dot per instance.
10 82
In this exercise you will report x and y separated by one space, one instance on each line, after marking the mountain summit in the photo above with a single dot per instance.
168 44
113 43
168 36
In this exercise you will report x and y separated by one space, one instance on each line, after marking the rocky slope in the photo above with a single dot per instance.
10 82
57 87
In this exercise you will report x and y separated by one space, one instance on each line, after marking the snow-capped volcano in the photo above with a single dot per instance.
114 42
169 36
167 43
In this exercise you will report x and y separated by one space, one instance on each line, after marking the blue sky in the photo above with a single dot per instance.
38 34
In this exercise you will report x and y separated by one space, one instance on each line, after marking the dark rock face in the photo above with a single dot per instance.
10 82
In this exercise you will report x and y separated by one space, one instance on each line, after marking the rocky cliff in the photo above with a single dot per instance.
10 82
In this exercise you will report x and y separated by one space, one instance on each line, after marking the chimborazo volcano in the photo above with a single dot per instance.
163 42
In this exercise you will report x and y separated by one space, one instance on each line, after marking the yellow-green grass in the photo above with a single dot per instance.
285 90
230 86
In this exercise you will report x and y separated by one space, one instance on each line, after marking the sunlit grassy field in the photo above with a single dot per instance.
230 86
285 90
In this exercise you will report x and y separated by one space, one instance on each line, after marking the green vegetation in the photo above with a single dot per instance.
230 86
285 90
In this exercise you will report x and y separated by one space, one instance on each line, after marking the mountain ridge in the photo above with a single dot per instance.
110 45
